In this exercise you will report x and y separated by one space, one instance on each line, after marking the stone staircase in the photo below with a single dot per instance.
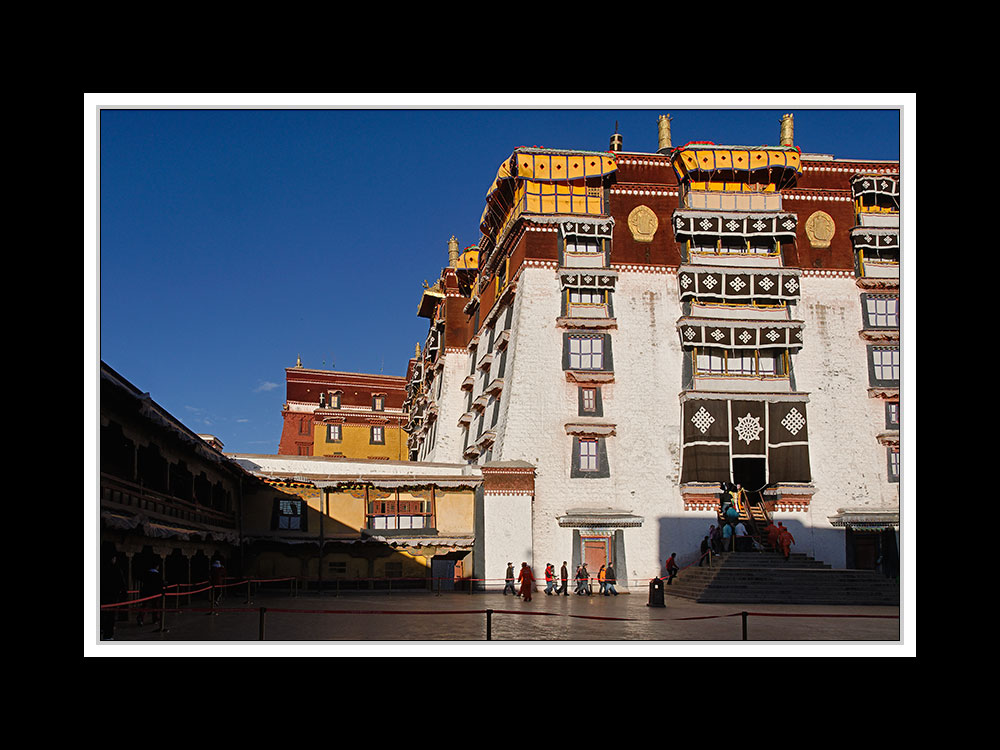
767 578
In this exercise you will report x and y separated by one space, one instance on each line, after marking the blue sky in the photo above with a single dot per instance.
227 242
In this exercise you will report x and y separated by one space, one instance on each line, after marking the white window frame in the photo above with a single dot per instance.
886 361
586 353
587 245
588 455
882 312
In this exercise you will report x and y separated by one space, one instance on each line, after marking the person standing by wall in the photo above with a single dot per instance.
550 579
564 578
610 581
509 581
527 579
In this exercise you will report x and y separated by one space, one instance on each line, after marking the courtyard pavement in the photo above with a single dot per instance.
410 618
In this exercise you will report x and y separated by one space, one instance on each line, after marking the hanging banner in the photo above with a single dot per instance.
706 441
788 442
748 428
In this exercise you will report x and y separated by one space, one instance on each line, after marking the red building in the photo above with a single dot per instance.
343 414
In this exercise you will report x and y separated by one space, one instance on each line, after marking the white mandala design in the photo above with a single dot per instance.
748 428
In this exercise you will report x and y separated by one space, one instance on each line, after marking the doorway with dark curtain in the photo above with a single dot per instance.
750 472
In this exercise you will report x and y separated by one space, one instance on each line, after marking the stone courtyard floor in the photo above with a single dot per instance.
543 625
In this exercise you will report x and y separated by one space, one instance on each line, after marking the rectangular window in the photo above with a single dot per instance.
588 455
378 403
885 364
582 245
589 396
882 312
404 514
585 297
333 433
710 361
893 464
289 514
377 436
742 362
892 414
586 353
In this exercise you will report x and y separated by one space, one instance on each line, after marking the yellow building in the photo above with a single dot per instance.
359 524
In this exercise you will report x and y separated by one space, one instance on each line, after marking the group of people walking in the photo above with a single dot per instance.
606 579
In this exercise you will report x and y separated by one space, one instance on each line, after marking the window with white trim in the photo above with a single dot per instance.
377 435
334 433
589 396
885 364
882 312
582 245
289 514
586 353
588 455
586 297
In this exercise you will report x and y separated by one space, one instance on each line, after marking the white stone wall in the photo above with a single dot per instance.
506 528
642 403
848 464
447 447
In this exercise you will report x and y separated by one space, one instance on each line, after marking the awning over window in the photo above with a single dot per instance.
739 283
539 181
865 519
588 518
881 184
871 238
740 334
706 162
703 224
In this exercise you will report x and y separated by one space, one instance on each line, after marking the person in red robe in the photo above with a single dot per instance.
527 579
772 535
786 540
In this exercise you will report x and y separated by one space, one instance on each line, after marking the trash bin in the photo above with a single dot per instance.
656 593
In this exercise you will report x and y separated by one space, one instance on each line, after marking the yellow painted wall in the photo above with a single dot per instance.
455 511
356 443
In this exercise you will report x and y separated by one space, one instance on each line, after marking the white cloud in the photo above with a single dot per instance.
267 385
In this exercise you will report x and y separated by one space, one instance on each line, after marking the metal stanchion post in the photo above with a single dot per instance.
489 624
260 631
745 615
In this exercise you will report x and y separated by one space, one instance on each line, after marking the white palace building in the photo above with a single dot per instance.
634 329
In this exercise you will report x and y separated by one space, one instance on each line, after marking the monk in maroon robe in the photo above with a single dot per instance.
527 579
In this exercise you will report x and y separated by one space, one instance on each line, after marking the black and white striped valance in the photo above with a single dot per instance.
724 283
700 224
870 238
585 278
587 228
866 184
740 334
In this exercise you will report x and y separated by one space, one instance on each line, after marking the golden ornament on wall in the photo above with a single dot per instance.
820 229
642 223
